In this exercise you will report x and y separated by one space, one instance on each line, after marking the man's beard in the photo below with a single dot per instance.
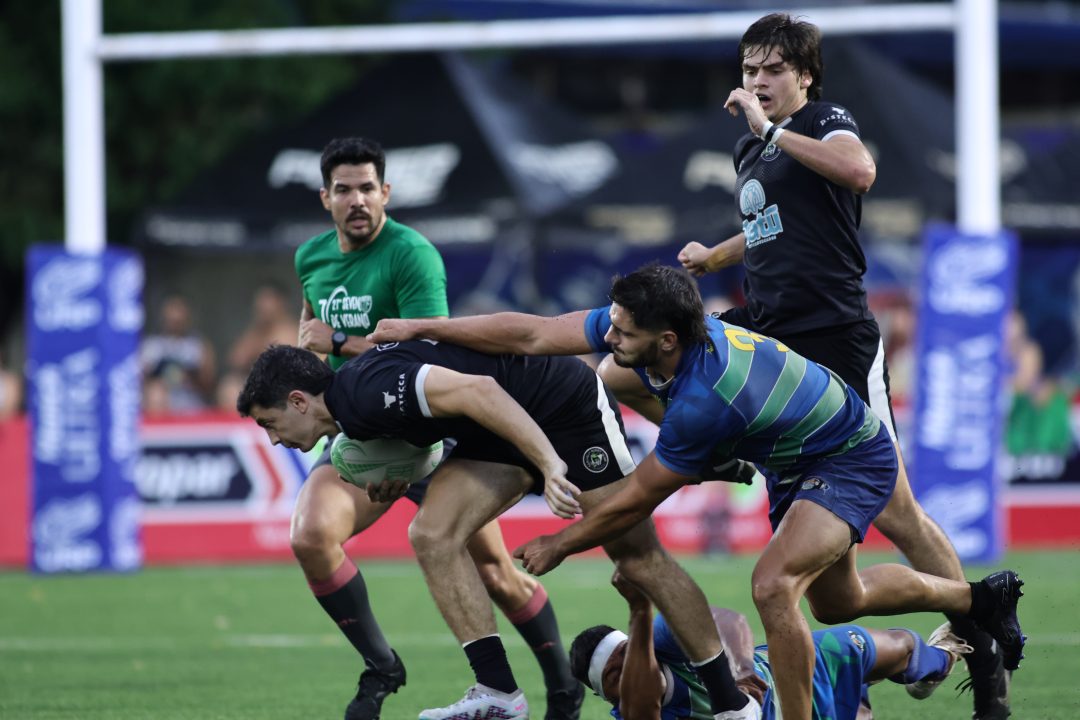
359 240
646 358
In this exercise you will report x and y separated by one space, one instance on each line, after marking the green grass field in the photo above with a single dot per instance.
250 642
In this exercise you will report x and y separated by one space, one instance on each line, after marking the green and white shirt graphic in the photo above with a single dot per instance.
399 275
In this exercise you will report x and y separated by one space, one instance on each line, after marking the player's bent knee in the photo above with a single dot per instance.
313 544
773 591
431 541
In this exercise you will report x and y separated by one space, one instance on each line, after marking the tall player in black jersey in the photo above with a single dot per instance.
801 171
522 424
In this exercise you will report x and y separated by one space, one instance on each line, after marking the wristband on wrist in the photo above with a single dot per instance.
765 130
774 135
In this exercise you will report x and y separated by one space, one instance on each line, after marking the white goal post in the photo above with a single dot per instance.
86 49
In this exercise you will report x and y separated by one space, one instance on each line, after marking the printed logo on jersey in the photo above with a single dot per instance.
771 152
764 223
343 311
815 484
396 396
386 346
595 459
839 115
857 640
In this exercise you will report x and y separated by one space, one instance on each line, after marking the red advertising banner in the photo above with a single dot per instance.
213 489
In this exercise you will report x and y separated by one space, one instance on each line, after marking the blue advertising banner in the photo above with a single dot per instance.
84 315
967 292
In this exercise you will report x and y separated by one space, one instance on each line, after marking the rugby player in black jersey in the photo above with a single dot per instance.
522 424
801 171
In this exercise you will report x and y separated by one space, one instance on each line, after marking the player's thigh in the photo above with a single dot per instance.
835 595
464 495
807 541
902 514
330 510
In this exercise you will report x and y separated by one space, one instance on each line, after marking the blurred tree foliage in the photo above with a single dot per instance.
165 121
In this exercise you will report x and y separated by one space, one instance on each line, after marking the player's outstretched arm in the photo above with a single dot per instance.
452 394
513 333
738 641
641 690
648 486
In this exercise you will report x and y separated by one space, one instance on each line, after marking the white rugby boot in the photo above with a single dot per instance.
482 703
945 639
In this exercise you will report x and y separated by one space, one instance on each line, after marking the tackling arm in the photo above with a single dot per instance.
646 488
513 333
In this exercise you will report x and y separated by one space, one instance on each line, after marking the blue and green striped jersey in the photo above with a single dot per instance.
745 395
843 657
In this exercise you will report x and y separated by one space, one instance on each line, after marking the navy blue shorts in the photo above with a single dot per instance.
854 485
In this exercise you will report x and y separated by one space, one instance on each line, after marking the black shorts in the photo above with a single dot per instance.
591 443
855 352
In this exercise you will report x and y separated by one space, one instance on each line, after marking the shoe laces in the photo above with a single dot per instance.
986 690
952 644
472 693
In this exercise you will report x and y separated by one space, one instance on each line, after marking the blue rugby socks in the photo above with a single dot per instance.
927 662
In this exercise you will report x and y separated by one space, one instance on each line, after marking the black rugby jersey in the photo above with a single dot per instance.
375 394
803 262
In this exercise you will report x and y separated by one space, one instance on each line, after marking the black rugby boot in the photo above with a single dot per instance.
996 613
375 686
565 704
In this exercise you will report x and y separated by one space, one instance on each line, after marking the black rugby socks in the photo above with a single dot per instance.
344 598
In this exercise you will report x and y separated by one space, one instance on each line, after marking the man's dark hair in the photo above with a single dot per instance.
659 298
279 370
582 649
351 151
798 41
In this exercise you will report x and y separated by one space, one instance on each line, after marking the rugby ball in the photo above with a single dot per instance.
370 462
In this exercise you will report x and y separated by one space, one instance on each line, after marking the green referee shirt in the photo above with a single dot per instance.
399 275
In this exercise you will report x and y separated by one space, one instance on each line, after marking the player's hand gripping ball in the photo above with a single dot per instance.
371 462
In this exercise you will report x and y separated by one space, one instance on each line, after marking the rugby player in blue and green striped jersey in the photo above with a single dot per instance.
727 390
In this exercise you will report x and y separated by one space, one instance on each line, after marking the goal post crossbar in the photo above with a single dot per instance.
86 49
502 34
